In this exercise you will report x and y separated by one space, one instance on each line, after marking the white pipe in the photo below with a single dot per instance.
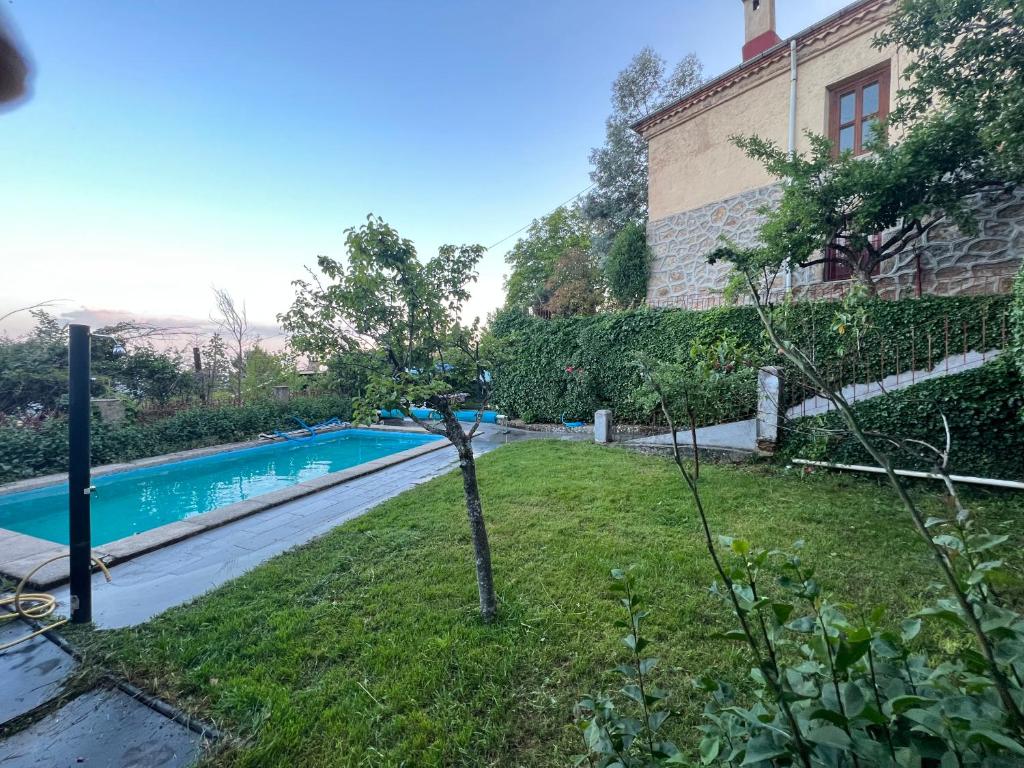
793 62
912 473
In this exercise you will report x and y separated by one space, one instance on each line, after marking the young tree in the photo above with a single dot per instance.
214 358
533 258
619 166
388 302
234 321
871 208
966 57
627 266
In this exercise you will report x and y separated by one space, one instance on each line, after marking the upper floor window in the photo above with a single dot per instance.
854 106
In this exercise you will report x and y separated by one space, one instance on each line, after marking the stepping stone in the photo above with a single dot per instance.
32 672
102 729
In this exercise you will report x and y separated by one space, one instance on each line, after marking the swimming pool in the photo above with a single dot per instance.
137 500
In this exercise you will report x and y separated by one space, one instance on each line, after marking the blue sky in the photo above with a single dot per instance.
171 145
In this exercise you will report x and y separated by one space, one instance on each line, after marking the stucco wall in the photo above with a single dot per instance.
951 262
692 162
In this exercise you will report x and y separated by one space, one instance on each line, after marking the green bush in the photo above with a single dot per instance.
626 267
983 408
1017 320
530 378
30 452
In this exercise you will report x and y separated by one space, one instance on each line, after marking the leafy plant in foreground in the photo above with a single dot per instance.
615 738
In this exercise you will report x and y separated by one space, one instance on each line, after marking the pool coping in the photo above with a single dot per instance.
21 553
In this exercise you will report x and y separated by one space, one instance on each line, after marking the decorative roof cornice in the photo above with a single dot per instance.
817 39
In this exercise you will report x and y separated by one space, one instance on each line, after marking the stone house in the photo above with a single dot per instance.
829 80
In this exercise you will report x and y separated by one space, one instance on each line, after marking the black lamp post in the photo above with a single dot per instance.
79 469
79 480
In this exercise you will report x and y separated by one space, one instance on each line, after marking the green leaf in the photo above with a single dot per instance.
900 704
981 542
782 612
740 546
829 736
762 748
849 654
994 738
805 625
909 629
709 749
836 718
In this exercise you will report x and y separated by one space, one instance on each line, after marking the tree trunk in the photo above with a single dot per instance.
475 512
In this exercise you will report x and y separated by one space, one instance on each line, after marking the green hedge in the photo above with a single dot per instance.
530 379
32 452
983 408
1017 320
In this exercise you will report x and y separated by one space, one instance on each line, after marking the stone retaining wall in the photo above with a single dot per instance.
949 262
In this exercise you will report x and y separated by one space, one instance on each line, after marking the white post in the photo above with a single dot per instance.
769 408
603 427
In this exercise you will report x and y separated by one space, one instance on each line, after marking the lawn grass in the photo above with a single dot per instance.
364 648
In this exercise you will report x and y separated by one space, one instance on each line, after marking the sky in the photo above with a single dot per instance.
174 145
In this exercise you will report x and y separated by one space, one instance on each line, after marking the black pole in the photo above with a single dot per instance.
80 539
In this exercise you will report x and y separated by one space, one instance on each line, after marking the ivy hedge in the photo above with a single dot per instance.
983 407
575 366
30 452
1017 320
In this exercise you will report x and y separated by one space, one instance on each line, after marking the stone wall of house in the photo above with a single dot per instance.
947 262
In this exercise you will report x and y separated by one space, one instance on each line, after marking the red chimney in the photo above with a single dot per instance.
759 22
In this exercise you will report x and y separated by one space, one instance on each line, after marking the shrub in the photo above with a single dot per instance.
529 374
30 452
834 685
983 407
1017 320
626 267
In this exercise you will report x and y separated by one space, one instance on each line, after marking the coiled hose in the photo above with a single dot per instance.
36 606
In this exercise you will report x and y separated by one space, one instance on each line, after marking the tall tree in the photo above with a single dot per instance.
966 57
533 258
233 320
619 166
387 301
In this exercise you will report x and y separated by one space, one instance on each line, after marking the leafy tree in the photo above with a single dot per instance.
533 258
966 57
627 266
33 370
387 301
619 166
216 366
149 375
575 286
871 208
266 370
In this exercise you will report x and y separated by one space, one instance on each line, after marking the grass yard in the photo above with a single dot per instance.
364 648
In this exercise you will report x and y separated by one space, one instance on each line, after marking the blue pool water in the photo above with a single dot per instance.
126 503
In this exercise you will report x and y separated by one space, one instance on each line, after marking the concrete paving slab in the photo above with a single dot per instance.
102 729
32 672
739 436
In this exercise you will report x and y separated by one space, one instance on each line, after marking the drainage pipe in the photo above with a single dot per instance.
1015 485
793 62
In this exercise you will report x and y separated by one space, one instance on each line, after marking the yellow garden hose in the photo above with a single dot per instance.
36 606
